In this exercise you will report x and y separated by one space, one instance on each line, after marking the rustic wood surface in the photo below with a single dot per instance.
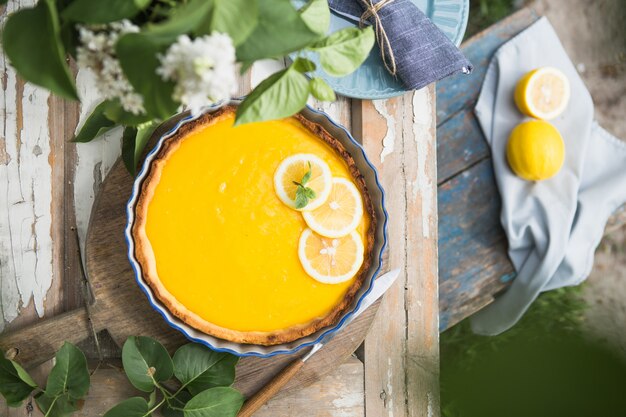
51 184
475 267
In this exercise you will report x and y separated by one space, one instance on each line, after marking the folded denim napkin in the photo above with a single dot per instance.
553 226
422 53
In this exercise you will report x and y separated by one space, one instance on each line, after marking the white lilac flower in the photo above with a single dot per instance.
203 68
97 52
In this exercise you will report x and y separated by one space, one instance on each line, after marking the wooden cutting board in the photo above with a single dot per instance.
119 306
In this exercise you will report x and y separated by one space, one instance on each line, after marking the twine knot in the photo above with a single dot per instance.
371 11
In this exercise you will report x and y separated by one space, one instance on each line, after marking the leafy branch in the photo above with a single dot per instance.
204 376
37 41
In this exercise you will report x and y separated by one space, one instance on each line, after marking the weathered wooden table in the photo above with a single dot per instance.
48 185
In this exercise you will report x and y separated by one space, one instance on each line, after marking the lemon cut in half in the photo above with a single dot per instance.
340 214
542 93
293 169
330 260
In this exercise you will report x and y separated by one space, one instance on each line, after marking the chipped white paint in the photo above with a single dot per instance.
94 159
25 193
390 137
429 405
423 183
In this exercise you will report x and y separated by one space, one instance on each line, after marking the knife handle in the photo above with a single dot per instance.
270 389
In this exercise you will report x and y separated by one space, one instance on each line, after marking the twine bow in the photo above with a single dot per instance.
371 11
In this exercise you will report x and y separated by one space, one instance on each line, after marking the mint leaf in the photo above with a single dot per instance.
69 374
344 51
146 362
307 177
301 199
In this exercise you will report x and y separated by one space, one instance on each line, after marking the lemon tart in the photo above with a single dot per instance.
221 243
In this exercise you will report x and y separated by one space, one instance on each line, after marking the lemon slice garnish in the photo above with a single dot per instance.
542 93
340 214
293 169
330 260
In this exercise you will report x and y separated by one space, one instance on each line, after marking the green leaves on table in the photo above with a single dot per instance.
321 90
68 382
205 377
146 362
95 125
316 15
31 39
344 51
15 383
237 18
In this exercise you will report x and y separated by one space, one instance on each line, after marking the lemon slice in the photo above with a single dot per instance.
330 260
293 169
340 214
542 93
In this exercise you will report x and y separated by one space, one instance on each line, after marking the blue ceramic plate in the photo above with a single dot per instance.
380 242
372 81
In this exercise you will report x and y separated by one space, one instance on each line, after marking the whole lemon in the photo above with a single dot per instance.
535 150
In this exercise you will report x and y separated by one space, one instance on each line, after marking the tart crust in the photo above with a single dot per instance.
146 258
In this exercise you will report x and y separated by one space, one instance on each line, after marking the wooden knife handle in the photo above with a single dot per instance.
270 389
39 342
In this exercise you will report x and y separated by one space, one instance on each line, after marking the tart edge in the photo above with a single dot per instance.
146 259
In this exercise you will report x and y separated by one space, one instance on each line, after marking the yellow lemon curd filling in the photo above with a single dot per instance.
225 246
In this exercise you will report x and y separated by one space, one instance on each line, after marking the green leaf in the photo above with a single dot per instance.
237 18
145 362
178 402
132 407
307 176
316 15
103 11
185 18
57 406
301 199
280 95
345 50
199 368
115 112
321 90
137 53
134 141
304 65
280 30
152 399
215 402
69 374
32 40
96 124
15 383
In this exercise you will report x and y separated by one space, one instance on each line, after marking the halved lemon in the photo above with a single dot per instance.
293 169
340 214
330 260
542 93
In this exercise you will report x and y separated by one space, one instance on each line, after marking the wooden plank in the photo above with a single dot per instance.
461 91
31 160
402 351
472 246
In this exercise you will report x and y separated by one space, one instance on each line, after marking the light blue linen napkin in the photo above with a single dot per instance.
553 226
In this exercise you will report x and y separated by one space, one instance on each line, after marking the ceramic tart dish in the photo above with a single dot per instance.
216 250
